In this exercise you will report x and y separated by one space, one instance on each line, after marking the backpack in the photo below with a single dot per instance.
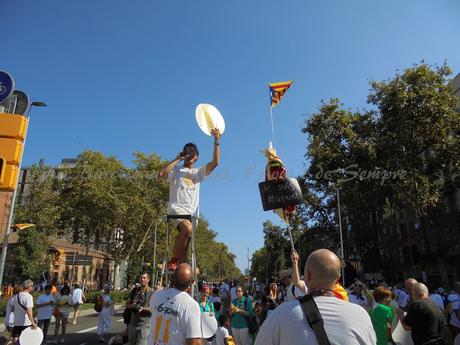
448 307
99 303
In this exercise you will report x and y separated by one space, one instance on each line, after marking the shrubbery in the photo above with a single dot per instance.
117 296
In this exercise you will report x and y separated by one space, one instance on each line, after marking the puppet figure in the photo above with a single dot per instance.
275 170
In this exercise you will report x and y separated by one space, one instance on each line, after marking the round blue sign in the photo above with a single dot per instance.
6 85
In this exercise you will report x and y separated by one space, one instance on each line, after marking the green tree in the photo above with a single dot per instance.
213 258
342 146
411 132
39 203
31 257
103 204
418 132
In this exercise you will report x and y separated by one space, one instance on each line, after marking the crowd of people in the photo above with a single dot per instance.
250 312
56 301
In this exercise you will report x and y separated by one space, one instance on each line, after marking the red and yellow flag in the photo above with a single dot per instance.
277 91
340 292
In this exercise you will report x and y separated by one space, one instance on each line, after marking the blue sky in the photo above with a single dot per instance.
126 76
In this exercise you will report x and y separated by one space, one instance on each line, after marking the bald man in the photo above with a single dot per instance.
404 297
424 319
176 317
344 323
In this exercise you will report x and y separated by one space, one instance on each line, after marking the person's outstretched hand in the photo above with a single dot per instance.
294 256
216 134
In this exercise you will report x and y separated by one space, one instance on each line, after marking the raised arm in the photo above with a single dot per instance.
298 283
164 171
216 154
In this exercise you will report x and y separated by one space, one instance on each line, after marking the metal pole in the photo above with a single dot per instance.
155 254
10 216
248 261
73 268
273 126
341 237
195 277
300 253
290 237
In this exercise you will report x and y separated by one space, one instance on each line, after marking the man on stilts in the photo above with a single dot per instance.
184 189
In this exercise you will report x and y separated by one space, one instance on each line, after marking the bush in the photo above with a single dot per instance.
117 296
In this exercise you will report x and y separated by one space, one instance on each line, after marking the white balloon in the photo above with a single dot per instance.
208 325
208 117
401 336
31 336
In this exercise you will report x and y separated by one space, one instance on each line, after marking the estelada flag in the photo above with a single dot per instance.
277 91
340 292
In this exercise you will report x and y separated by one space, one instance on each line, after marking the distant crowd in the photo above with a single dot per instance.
250 312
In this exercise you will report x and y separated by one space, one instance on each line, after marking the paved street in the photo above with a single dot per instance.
84 333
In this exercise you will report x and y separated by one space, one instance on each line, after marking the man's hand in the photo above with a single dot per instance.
180 156
34 326
294 257
216 134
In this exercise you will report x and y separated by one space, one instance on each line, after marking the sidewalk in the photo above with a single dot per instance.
85 312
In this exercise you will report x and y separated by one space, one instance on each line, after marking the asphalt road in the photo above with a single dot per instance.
84 332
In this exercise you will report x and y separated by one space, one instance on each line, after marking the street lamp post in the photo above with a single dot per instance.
341 236
13 200
154 263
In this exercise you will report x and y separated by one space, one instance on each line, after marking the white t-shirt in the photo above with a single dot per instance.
297 293
358 299
45 312
77 296
184 189
221 334
175 318
436 298
345 324
108 307
20 316
454 299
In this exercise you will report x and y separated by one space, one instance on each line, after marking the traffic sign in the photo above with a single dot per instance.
6 85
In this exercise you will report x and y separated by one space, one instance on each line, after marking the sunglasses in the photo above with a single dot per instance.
359 285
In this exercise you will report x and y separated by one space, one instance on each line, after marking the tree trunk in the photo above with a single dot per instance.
116 275
443 271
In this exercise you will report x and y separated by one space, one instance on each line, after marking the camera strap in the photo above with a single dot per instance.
314 318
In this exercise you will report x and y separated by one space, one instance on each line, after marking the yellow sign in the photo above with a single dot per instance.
13 129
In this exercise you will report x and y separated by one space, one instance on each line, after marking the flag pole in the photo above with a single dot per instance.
273 126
